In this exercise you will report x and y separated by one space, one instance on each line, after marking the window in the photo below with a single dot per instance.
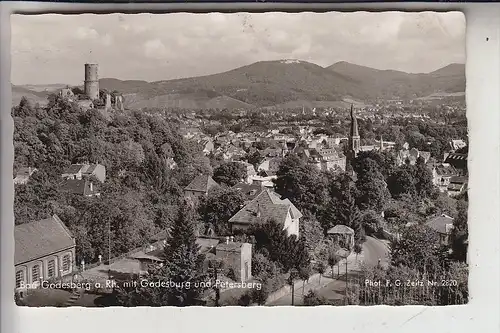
19 278
35 273
51 268
66 263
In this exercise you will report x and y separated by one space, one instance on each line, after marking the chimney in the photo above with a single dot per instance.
227 239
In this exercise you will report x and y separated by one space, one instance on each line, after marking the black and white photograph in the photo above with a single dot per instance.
240 159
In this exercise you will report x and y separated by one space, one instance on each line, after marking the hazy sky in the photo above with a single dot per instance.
53 48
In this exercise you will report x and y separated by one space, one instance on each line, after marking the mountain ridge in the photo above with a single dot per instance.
283 82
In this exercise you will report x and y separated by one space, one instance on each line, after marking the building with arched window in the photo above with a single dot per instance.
44 250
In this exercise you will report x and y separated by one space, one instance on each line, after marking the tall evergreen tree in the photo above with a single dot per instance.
372 188
341 208
183 263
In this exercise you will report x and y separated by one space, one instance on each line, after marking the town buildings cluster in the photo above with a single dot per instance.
45 249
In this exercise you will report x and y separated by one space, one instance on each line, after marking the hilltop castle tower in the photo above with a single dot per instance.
91 86
354 139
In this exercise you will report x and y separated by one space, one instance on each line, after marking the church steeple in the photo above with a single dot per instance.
353 143
354 139
354 124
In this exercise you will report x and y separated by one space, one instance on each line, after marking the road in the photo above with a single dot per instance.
373 250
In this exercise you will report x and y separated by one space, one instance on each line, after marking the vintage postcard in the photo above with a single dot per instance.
240 159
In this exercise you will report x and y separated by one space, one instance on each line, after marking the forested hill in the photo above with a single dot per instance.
141 192
289 82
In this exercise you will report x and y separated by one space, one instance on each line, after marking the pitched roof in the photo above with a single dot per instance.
457 160
206 244
341 229
266 206
90 169
425 155
74 168
25 171
446 170
442 224
40 238
249 191
201 183
229 247
458 179
79 186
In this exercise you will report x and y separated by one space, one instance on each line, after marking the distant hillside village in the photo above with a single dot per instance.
103 195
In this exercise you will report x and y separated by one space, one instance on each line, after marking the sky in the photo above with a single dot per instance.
53 48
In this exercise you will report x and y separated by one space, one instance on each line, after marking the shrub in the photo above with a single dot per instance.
313 299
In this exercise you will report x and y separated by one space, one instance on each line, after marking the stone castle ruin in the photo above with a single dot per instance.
91 96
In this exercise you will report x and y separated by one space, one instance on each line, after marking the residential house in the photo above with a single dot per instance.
443 225
250 171
267 206
264 181
85 187
411 156
44 250
207 145
23 175
457 144
327 159
385 145
237 256
442 174
189 132
171 164
457 186
80 171
270 165
232 152
272 152
249 191
458 161
200 186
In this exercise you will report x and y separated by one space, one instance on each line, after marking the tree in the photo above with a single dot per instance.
341 207
385 162
358 248
333 260
371 222
311 230
230 173
313 299
218 207
372 188
460 233
288 251
304 274
417 249
301 183
423 177
259 295
255 158
182 266
402 181
321 270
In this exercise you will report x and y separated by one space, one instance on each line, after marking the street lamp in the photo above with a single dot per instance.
293 273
